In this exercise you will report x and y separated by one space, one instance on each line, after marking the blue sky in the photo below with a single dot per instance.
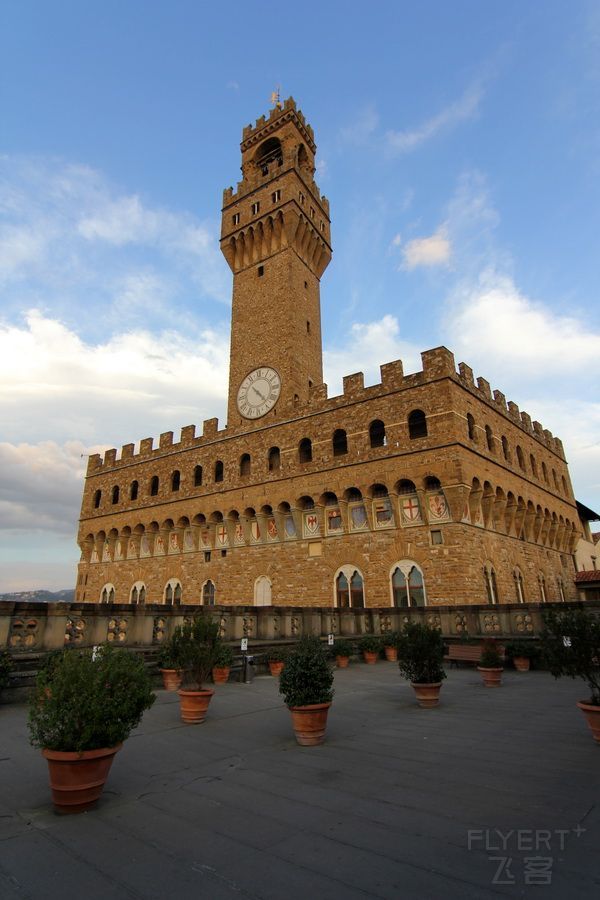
458 143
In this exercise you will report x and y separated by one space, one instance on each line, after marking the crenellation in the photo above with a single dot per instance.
110 457
94 462
318 393
165 440
549 436
466 374
146 445
210 427
526 420
484 387
188 434
127 451
513 411
538 430
500 400
353 384
438 363
392 374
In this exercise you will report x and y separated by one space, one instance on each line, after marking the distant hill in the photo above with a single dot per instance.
66 596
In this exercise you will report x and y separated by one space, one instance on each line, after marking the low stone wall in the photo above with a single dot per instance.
39 627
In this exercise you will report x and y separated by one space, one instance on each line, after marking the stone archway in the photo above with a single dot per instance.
262 591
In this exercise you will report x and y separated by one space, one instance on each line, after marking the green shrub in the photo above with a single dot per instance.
523 648
277 654
307 677
342 647
391 639
167 656
85 702
224 657
195 647
5 667
369 644
490 657
421 654
570 646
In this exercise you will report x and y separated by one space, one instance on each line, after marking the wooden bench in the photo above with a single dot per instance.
467 653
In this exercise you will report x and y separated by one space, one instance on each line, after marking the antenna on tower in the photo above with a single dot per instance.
276 98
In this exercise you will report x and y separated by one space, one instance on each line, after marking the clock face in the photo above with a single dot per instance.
258 393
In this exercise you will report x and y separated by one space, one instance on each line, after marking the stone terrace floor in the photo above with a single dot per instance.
399 802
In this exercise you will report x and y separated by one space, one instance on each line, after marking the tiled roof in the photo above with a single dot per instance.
593 575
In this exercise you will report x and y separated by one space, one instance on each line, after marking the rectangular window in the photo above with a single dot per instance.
235 219
256 208
207 556
312 212
276 196
261 271
301 197
322 226
436 537
223 552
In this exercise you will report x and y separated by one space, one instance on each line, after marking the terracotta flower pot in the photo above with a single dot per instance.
370 658
391 654
592 715
276 667
220 674
491 677
194 705
77 779
342 662
171 679
428 695
309 723
521 663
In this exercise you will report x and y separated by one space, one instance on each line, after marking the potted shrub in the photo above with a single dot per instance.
198 644
5 667
570 646
390 645
342 651
223 664
370 647
82 709
490 665
421 661
522 652
168 664
306 685
276 657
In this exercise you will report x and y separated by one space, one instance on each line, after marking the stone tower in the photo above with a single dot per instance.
275 236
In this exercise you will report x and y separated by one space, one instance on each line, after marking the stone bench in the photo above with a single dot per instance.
467 653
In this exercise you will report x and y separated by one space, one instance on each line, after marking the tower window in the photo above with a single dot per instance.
301 197
133 491
305 450
97 499
115 494
276 196
340 442
218 470
322 226
261 271
377 433
306 285
417 424
308 327
235 219
198 476
274 459
256 208
175 480
312 212
154 486
245 464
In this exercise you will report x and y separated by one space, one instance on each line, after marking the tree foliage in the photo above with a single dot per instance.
307 677
571 646
421 654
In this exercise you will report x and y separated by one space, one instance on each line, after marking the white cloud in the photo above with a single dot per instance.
370 344
428 251
359 131
459 111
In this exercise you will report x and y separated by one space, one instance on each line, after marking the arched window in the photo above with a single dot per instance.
520 458
542 584
564 486
133 490
349 588
138 593
340 442
305 450
107 594
377 436
115 494
154 486
561 589
245 464
554 478
97 499
198 476
491 588
544 472
218 470
176 480
471 427
505 452
489 437
533 465
208 593
269 154
408 588
172 591
519 588
431 484
417 424
274 459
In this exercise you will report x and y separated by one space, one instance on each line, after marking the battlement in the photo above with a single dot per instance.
253 134
437 364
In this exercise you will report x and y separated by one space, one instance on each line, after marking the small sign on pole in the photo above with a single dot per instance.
244 644
330 640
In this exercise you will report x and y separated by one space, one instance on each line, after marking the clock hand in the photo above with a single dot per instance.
262 397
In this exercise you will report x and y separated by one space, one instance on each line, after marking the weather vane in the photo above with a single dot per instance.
275 97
